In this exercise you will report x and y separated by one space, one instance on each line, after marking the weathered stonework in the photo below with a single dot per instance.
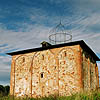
63 71
90 72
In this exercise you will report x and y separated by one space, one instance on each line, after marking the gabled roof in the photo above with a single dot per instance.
81 43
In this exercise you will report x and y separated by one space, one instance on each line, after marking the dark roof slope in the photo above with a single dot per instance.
81 43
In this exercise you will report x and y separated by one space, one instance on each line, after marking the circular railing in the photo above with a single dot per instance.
58 38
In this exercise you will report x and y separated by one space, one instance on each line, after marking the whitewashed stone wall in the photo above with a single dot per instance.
53 71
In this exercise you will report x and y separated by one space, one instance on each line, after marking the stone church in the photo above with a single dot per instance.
61 69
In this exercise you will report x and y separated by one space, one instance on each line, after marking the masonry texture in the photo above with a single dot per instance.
62 71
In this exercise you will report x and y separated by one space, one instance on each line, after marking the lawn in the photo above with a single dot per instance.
79 96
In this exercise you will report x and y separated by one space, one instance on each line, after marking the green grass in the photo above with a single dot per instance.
79 96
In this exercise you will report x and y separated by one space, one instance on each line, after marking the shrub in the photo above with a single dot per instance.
4 91
7 89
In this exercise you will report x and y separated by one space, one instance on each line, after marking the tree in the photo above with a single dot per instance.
2 90
7 88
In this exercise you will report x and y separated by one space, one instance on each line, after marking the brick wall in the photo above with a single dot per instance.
90 72
55 71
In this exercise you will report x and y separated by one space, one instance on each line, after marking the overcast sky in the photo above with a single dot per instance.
26 23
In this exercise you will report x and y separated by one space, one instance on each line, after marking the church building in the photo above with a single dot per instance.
61 69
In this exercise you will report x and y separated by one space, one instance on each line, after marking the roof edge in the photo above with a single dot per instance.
81 43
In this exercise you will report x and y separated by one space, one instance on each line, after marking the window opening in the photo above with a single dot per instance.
23 60
65 54
42 75
42 57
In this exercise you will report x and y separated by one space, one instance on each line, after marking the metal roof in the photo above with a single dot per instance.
81 43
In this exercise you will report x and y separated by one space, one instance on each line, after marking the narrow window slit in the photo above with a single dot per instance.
23 60
42 75
42 57
65 54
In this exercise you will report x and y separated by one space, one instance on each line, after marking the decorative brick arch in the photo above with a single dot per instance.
22 76
67 71
43 62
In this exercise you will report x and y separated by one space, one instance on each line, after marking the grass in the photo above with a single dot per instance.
79 96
